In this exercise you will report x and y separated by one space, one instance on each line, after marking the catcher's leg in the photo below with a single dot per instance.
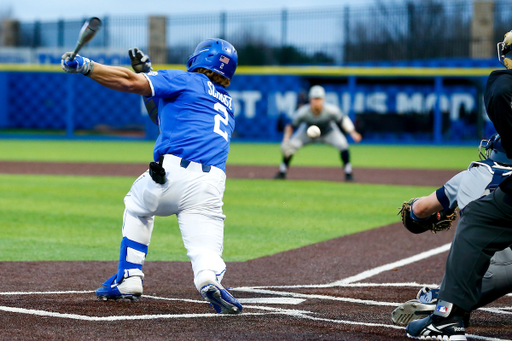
482 231
497 281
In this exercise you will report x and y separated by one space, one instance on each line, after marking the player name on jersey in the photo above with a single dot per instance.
225 99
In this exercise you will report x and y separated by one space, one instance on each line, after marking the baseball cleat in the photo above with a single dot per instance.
280 176
129 289
349 177
221 300
410 311
436 327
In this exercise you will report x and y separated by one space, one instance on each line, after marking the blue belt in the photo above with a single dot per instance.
184 163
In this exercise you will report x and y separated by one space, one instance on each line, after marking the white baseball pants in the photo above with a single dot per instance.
195 197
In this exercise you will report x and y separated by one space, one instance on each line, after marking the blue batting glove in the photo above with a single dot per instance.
78 65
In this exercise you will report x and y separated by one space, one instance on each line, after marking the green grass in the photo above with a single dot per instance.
80 218
376 156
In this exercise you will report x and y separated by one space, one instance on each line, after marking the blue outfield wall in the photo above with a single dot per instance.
386 108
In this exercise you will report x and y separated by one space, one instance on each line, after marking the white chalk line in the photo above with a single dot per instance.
391 266
347 282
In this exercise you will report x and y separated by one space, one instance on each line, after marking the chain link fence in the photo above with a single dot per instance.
405 31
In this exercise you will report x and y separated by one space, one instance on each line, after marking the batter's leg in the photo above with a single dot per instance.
203 238
138 221
127 283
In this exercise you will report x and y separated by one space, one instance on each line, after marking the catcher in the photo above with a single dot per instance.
436 212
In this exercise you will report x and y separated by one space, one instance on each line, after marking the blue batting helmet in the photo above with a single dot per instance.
494 150
216 55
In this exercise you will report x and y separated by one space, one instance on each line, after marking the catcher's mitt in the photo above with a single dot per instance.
438 221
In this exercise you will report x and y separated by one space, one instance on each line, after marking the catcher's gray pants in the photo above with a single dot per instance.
484 228
300 139
497 281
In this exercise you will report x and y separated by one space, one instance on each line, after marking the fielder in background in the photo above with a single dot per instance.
483 229
187 177
481 178
327 117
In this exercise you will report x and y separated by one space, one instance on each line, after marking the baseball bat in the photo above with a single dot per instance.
87 32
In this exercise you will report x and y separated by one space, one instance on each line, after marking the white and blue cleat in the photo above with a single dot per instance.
129 289
221 300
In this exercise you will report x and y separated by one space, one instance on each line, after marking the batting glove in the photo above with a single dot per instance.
78 65
140 61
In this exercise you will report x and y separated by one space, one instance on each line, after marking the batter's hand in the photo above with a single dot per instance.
78 65
140 61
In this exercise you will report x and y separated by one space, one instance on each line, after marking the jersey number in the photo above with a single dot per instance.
219 119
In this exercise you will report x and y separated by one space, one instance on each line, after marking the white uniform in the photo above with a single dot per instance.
196 199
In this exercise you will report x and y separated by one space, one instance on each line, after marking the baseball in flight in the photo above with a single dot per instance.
313 131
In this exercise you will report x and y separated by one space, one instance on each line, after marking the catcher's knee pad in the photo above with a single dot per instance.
131 256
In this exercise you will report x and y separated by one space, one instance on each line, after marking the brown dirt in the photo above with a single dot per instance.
326 314
412 177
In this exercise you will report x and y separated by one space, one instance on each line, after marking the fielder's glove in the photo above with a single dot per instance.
78 65
140 61
438 221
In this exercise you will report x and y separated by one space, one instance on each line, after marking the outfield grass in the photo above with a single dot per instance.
46 217
376 156
79 218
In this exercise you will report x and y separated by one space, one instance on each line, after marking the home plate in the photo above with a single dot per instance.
271 300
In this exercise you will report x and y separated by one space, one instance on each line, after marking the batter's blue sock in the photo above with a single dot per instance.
132 256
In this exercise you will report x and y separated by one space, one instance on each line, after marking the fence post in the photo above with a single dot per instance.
223 25
482 30
60 34
105 24
346 22
157 39
284 27
9 32
438 115
37 34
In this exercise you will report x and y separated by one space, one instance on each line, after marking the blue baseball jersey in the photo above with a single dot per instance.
195 116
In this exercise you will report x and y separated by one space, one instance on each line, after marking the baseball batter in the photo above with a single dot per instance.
481 178
187 177
327 117
484 227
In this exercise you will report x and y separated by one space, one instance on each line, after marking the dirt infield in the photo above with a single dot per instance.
341 289
412 177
